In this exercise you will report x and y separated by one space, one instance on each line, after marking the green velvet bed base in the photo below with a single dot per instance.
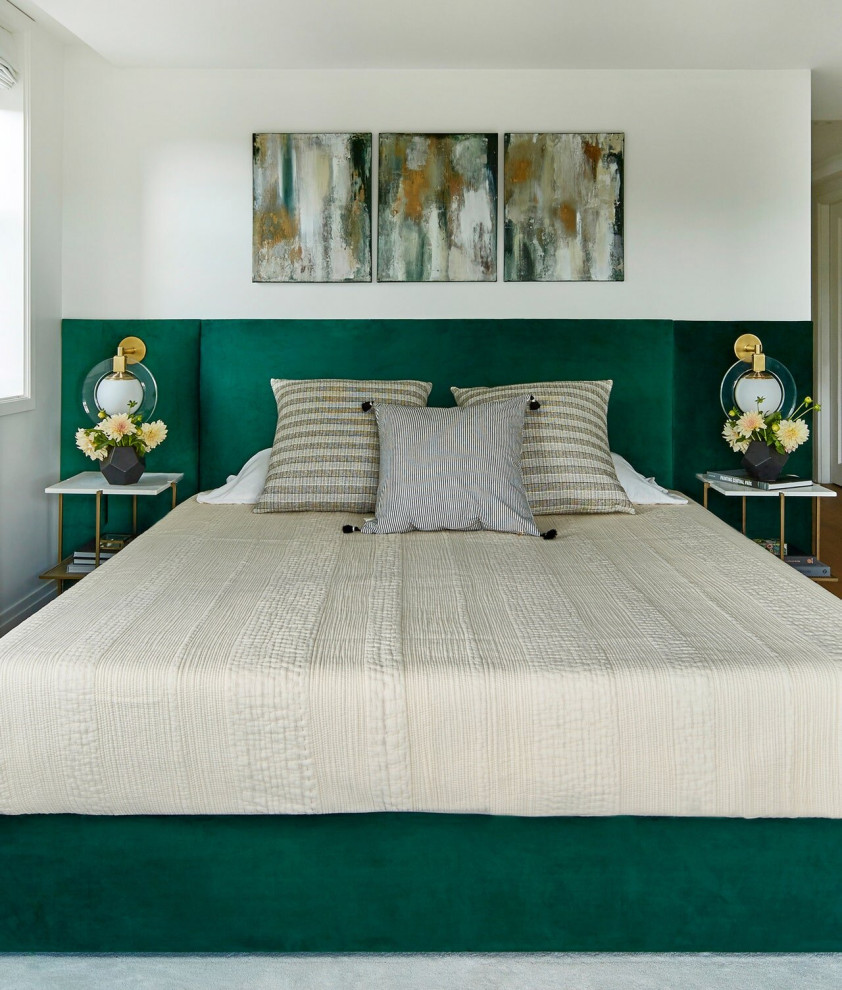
415 882
419 883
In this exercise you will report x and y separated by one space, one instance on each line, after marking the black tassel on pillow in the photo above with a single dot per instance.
351 529
366 406
534 403
551 534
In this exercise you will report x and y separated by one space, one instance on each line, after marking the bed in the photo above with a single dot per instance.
271 664
195 805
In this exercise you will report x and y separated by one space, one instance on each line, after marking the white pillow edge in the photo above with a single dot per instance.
243 488
641 490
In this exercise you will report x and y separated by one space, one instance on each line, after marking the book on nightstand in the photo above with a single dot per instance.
811 570
807 564
739 476
80 568
108 545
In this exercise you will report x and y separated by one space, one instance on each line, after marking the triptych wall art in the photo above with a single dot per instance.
437 215
563 208
312 208
437 207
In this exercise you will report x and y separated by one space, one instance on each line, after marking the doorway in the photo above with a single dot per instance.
827 317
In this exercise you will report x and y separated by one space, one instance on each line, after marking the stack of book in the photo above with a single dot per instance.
84 559
805 563
738 476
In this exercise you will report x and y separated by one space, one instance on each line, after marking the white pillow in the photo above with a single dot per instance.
640 490
244 488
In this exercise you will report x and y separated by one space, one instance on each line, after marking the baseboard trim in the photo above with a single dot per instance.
15 614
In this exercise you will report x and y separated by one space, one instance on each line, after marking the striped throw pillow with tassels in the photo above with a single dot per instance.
567 466
325 454
455 469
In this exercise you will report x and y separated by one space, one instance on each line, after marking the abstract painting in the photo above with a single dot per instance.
312 208
437 217
563 208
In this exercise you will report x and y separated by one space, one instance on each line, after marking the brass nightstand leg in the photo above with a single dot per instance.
783 525
705 495
96 538
60 525
817 543
744 515
134 514
173 486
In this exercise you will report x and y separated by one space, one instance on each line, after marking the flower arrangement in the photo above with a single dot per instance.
120 430
784 435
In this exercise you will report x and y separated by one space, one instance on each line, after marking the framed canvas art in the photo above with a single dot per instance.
437 216
563 207
312 208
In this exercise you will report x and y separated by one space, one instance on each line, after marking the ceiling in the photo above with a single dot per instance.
469 34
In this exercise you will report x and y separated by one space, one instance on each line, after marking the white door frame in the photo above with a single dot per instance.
827 192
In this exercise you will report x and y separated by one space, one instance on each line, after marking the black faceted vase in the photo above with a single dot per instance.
763 462
122 466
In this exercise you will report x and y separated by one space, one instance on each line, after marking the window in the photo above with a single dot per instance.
14 357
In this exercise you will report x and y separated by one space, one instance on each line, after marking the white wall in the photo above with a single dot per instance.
157 187
29 441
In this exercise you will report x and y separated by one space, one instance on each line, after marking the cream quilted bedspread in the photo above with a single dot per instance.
656 664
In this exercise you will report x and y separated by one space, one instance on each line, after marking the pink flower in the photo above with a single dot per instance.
118 426
749 422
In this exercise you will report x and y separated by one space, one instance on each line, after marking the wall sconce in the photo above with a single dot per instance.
766 382
109 386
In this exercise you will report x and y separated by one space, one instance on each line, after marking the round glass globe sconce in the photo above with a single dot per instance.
121 394
121 384
765 384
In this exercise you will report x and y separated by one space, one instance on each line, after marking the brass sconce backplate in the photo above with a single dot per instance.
746 347
134 349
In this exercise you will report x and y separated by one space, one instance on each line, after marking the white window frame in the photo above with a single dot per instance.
25 402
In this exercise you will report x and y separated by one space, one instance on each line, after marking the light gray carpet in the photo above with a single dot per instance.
512 971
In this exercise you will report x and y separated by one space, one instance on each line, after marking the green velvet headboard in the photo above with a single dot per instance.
214 376
240 356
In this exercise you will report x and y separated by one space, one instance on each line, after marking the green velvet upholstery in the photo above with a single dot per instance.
173 358
240 356
414 882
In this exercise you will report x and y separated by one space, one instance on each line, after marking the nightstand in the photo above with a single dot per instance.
93 483
815 492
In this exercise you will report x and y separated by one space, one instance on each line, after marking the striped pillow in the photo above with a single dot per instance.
325 454
452 469
567 466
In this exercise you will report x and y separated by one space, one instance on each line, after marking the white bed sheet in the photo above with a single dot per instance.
227 662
